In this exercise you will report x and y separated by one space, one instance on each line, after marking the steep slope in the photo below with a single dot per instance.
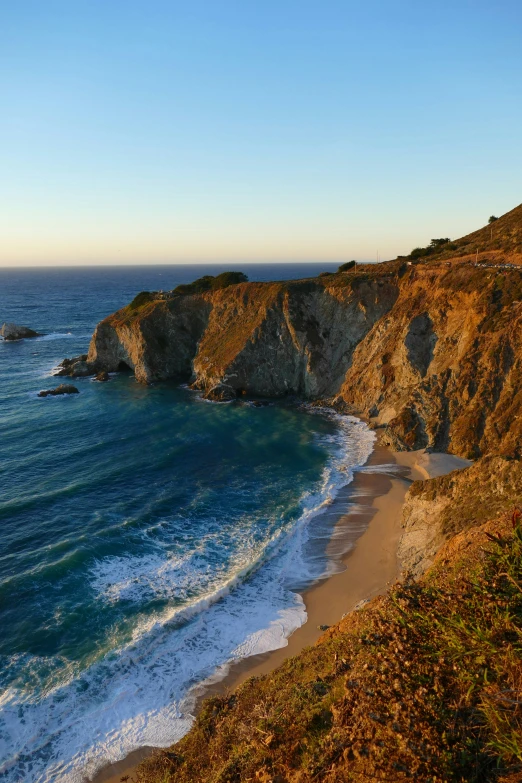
443 369
437 509
157 339
503 236
296 338
499 242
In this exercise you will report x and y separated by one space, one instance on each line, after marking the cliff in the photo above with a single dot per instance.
431 352
443 368
437 509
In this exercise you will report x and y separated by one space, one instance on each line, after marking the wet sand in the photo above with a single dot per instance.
365 527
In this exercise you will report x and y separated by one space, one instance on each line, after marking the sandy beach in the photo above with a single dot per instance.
366 522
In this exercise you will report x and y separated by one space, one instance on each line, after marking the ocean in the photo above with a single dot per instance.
148 538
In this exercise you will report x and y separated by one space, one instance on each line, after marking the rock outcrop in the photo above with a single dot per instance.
77 367
63 388
157 340
436 509
221 393
10 331
443 369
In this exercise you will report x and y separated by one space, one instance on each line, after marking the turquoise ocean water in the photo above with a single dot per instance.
147 537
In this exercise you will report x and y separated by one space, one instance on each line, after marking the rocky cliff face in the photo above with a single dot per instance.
443 369
265 338
158 340
430 352
437 509
296 338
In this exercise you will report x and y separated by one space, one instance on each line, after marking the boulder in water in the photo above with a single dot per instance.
221 393
11 331
63 388
102 376
77 367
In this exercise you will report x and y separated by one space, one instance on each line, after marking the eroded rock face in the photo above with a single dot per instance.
63 388
10 331
443 369
158 341
420 341
296 338
436 509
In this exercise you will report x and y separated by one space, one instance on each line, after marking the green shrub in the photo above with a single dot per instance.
211 283
346 267
435 246
144 297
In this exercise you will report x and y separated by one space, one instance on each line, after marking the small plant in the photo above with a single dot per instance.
211 283
492 219
347 266
435 246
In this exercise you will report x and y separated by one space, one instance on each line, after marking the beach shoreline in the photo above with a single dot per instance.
364 543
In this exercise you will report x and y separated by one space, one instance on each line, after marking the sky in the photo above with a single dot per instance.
254 130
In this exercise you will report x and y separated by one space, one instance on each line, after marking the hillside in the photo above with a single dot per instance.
423 684
498 242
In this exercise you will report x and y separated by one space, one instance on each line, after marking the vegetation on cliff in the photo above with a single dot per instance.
500 238
211 283
143 298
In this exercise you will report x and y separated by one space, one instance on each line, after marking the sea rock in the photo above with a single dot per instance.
11 331
220 393
102 376
77 367
63 388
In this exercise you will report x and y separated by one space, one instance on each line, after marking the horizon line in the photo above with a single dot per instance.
76 265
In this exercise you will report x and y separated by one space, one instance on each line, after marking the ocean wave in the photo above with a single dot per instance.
144 691
44 338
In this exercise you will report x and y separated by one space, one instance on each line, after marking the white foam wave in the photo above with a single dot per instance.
388 469
44 338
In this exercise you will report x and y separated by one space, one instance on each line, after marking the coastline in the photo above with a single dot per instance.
364 541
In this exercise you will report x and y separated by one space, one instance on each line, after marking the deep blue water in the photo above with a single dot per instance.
147 537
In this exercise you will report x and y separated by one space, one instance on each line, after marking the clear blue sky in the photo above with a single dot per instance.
254 130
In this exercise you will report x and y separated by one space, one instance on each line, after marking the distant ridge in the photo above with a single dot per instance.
504 234
501 239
